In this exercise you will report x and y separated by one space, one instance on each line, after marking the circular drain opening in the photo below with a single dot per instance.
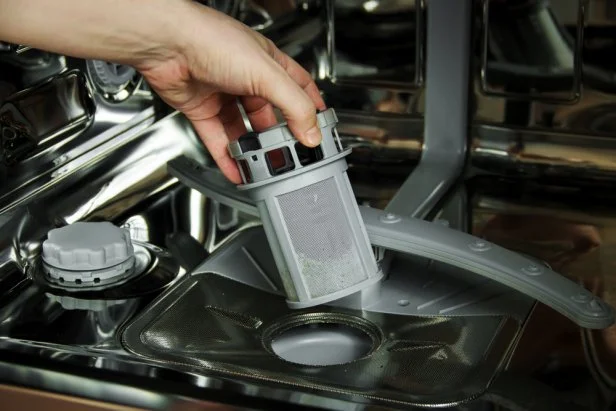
323 341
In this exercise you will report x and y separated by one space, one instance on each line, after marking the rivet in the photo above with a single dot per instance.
581 298
390 218
595 306
479 245
532 269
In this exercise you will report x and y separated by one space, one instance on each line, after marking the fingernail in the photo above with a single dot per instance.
313 136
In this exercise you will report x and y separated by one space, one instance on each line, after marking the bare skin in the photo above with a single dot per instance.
198 60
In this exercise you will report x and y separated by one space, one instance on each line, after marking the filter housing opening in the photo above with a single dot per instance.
323 342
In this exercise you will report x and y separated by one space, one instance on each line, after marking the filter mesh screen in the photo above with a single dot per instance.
322 238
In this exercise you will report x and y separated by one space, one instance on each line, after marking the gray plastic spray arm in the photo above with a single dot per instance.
437 242
212 183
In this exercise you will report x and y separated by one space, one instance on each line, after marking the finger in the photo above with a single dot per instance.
300 76
260 113
276 86
212 133
232 120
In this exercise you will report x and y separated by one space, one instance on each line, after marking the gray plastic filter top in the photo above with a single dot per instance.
309 212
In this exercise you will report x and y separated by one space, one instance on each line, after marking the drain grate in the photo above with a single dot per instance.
210 323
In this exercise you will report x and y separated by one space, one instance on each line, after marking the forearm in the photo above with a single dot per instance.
124 31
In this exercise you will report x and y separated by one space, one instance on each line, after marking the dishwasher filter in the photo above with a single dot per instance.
309 212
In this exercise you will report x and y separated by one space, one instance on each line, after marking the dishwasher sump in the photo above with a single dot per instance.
230 318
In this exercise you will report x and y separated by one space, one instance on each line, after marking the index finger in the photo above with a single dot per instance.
300 76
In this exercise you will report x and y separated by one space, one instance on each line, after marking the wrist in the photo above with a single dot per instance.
125 32
191 21
160 32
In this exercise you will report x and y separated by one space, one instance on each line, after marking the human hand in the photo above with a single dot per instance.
218 59
197 59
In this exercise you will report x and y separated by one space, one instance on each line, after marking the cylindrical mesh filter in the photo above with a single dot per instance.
309 213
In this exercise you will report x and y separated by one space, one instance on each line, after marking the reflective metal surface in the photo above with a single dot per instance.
540 179
56 116
376 44
526 52
33 117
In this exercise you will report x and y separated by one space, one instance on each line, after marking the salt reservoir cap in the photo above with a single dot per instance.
86 246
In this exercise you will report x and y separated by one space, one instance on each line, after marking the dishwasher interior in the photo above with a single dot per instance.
488 120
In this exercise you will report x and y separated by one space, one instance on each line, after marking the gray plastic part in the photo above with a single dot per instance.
280 134
277 138
446 111
85 246
309 214
422 287
327 188
70 303
247 259
91 278
439 243
88 254
212 183
414 286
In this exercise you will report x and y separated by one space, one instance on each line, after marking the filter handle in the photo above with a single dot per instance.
418 237
437 242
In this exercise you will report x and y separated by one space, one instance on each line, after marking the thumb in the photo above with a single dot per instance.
295 104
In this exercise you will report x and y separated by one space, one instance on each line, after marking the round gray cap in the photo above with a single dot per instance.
86 246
